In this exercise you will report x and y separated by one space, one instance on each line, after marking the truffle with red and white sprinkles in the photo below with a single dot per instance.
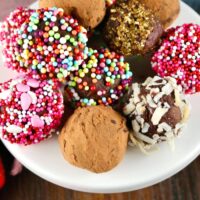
31 109
102 79
179 57
48 43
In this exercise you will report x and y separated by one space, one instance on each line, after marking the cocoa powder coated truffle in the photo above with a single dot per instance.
131 28
94 138
88 12
166 10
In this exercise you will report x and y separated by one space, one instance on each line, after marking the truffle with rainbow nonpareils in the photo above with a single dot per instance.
30 109
13 22
103 79
131 28
158 110
48 43
179 57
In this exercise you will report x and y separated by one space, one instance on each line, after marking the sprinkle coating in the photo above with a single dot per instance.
49 43
30 109
179 57
101 80
9 34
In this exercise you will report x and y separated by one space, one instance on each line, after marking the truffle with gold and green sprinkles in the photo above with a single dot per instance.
102 79
131 28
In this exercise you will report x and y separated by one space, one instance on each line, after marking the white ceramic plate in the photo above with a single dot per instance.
136 171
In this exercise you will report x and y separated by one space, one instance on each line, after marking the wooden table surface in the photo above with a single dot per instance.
27 186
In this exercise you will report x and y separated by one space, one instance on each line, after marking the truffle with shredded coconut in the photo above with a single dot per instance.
157 110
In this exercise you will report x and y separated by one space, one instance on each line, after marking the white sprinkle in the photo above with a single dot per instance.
14 129
5 94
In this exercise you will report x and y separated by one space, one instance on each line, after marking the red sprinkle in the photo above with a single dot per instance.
179 57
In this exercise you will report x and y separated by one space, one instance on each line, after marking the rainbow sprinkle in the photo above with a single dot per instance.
102 79
48 43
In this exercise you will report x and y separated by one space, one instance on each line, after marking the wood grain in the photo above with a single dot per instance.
27 186
183 186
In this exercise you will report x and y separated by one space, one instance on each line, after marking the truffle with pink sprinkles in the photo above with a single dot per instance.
179 57
31 109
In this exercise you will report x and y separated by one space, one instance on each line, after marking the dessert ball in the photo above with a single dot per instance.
88 12
48 43
157 110
166 10
94 138
103 78
131 28
13 22
179 57
30 109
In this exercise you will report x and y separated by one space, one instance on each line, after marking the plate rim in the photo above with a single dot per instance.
105 189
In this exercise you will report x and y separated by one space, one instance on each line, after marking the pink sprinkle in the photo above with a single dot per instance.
37 122
22 88
33 83
26 101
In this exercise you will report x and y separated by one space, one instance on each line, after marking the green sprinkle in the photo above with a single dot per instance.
72 40
57 36
67 37
113 64
59 76
51 32
73 84
36 21
20 42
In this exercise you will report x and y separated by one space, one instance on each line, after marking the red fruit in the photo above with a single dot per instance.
2 175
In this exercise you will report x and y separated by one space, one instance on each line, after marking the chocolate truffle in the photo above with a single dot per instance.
179 56
157 110
88 12
166 10
30 109
103 78
94 138
13 22
48 43
131 28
